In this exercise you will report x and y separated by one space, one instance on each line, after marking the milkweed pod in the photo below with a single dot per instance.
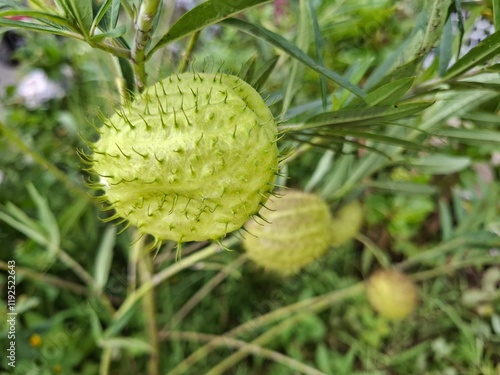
190 159
296 232
392 294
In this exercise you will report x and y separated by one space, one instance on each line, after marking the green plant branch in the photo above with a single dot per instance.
105 361
143 30
48 279
85 277
263 339
189 51
145 270
310 305
14 139
319 303
175 268
206 289
242 345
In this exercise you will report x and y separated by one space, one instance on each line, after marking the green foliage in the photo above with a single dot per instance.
381 101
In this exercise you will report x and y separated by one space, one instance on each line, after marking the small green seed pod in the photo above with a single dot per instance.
297 233
392 294
347 223
190 159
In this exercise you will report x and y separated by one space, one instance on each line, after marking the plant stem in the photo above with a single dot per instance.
169 272
207 288
242 345
310 305
85 277
189 50
145 269
48 279
105 361
143 30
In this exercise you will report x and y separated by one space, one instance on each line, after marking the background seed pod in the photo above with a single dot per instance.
191 159
297 233
347 223
392 294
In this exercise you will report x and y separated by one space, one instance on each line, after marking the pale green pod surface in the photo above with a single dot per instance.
392 294
298 232
347 223
191 159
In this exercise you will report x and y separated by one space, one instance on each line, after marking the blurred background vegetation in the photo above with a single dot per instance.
429 188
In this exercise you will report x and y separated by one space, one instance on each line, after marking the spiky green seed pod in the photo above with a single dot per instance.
392 294
297 233
347 223
190 159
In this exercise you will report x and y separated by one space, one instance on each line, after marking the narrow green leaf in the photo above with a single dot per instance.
461 29
296 71
445 221
445 47
403 187
247 71
115 33
102 264
438 10
201 16
365 116
471 135
99 16
441 163
27 230
133 345
485 50
263 73
37 15
81 11
390 93
318 42
321 170
47 219
496 14
283 44
378 138
36 27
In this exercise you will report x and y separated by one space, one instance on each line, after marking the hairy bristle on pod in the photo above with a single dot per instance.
191 158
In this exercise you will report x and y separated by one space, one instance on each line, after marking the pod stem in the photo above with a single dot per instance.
143 30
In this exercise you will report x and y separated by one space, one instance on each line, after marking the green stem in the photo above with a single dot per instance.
105 361
161 276
48 279
143 31
206 289
13 138
85 277
242 345
310 305
189 51
145 268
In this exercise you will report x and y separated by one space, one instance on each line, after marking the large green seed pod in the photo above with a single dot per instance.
392 294
299 231
191 159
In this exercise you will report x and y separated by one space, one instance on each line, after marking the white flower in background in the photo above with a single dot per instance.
36 88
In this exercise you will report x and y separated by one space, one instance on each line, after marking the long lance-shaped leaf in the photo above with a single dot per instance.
201 16
42 16
377 138
38 27
487 49
283 44
365 116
